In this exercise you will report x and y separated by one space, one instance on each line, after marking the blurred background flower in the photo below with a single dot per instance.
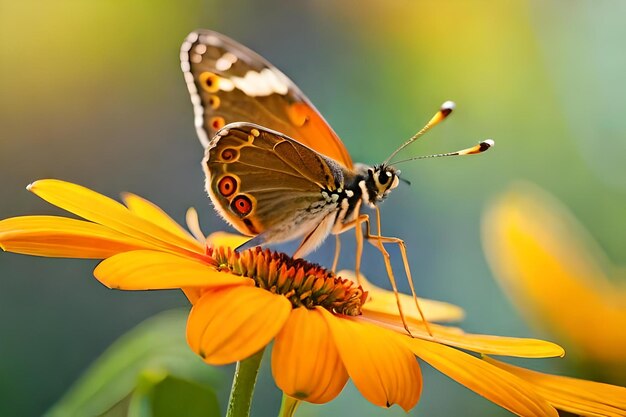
91 92
559 279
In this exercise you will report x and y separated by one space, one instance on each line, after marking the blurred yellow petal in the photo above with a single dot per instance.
62 237
305 361
193 223
155 270
496 385
380 300
576 396
382 367
487 344
540 254
225 239
108 212
230 324
151 212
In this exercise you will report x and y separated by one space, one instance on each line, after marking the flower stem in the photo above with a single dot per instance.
243 385
288 406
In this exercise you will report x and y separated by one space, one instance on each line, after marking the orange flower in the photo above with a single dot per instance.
323 328
556 274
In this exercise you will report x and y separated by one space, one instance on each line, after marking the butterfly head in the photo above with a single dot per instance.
380 180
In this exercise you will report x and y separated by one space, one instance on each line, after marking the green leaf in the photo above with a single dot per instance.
156 344
160 394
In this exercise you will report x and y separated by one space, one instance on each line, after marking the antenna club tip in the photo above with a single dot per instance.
446 108
485 145
448 105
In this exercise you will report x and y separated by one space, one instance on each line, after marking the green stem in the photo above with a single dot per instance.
288 406
243 385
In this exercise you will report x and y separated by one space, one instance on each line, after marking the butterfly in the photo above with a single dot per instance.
275 169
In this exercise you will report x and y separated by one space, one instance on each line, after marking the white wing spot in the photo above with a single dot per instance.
222 65
225 61
278 85
258 84
226 84
210 40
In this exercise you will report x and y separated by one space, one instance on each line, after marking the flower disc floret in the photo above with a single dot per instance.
303 283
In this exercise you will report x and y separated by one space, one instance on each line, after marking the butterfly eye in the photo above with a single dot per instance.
383 177
217 122
241 205
209 81
227 186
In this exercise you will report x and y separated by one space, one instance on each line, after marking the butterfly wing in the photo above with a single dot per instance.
267 184
230 83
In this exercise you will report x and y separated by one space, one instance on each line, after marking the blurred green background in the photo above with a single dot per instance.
91 92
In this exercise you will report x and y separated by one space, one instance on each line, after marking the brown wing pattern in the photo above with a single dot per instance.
230 83
264 182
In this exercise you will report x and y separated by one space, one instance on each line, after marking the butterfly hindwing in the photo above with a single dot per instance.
265 183
230 83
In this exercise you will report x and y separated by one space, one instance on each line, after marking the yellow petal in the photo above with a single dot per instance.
226 239
496 385
193 223
576 396
305 361
541 254
384 301
155 270
63 237
151 212
230 324
193 294
487 344
107 212
381 366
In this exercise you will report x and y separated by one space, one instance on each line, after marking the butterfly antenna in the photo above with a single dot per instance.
444 111
476 149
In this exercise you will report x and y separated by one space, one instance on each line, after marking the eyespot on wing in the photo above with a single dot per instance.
227 186
241 205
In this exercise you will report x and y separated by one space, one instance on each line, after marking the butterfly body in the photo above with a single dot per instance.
271 186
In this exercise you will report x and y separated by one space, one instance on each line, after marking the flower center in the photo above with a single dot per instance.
303 283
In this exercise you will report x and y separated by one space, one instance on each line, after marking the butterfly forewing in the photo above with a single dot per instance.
265 183
230 83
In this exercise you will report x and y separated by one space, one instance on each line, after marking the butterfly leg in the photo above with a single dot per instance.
337 252
379 240
356 223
